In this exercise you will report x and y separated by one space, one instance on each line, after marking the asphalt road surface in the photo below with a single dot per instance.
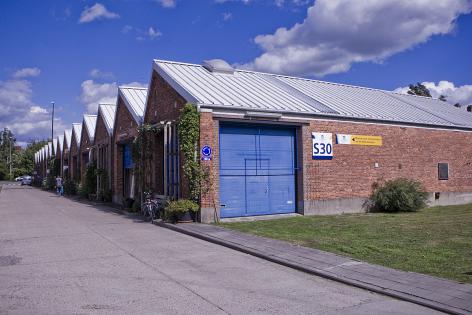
59 256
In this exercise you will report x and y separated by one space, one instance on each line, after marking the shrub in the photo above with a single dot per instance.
399 195
174 208
90 182
70 188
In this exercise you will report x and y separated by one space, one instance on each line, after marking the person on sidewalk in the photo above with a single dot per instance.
59 186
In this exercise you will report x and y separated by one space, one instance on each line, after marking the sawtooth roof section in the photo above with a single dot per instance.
135 100
107 112
77 129
68 137
256 91
90 122
49 147
60 140
54 145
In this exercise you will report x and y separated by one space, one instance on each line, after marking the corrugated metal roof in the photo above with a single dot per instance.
77 129
90 122
67 137
54 145
135 100
107 112
49 149
255 91
60 139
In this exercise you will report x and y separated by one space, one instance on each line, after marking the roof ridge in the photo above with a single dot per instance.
297 78
132 87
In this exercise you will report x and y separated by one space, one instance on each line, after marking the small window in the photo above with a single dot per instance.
443 171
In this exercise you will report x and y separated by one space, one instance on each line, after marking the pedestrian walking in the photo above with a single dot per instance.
59 186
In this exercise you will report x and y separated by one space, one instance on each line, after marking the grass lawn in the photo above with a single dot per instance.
435 241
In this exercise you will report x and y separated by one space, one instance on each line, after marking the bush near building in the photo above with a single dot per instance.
398 195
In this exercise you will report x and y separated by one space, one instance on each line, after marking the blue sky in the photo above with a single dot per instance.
77 52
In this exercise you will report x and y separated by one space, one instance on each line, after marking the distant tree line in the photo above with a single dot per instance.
22 160
421 90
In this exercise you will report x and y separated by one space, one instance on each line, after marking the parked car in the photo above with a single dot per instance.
27 180
19 178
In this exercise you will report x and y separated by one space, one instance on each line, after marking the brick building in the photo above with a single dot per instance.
60 148
278 144
74 156
130 107
103 145
86 143
66 153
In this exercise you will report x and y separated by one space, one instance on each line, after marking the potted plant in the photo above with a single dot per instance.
181 210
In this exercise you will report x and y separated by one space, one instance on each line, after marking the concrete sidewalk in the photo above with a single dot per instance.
440 294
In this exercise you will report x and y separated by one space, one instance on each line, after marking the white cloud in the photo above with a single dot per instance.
454 94
167 3
98 74
38 110
227 16
337 33
153 33
126 29
21 114
27 72
96 12
94 93
141 34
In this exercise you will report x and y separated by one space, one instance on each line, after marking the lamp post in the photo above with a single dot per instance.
10 139
52 121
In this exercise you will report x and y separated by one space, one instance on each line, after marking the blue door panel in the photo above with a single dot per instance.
257 195
282 194
257 170
232 188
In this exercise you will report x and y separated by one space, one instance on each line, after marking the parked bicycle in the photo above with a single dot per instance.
151 208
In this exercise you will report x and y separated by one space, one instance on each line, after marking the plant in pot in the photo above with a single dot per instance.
181 211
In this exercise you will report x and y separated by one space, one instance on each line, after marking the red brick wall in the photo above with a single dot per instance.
102 138
164 104
73 152
124 132
85 145
101 132
406 152
209 130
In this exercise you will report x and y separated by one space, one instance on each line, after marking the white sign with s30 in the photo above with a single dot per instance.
322 146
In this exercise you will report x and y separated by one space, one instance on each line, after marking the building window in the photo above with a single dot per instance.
443 171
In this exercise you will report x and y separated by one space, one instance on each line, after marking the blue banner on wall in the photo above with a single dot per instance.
127 156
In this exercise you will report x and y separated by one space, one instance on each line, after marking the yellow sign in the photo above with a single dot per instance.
358 139
366 140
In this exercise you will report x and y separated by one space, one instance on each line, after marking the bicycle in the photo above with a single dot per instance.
152 208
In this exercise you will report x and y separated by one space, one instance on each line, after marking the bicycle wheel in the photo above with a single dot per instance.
152 211
144 209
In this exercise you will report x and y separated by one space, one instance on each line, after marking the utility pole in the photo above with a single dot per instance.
10 138
52 121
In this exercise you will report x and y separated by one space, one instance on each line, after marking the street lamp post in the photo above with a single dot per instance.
52 121
10 139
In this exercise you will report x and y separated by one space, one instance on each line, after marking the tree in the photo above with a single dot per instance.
24 160
419 89
7 143
458 105
442 98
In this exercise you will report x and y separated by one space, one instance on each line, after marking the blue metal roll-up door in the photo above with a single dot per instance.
257 170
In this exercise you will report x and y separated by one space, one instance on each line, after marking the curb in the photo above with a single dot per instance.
317 272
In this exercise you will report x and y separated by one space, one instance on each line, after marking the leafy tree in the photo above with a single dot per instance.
442 98
419 89
7 142
24 160
458 105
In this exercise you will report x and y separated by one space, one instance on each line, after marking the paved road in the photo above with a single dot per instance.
59 256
